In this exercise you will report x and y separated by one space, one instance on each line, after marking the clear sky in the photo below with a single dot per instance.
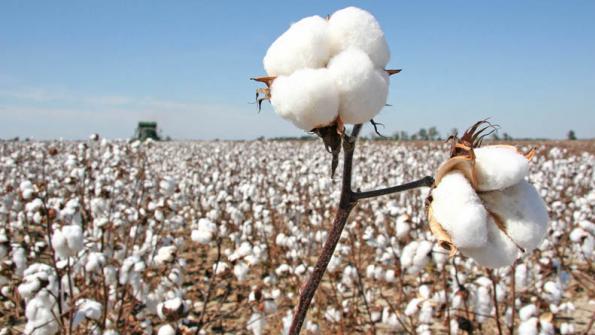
72 68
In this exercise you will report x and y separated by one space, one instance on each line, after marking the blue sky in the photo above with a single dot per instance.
72 68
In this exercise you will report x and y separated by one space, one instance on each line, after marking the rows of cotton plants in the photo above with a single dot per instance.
102 237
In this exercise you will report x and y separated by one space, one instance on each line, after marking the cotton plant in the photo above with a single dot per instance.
325 73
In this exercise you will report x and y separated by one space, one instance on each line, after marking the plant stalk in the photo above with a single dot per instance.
347 202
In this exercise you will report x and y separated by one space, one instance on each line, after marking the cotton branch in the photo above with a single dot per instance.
347 202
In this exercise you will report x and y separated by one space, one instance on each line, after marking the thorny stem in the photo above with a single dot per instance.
348 201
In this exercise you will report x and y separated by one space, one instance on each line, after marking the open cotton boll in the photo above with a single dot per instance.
68 241
522 211
499 167
362 88
308 98
498 251
166 330
256 323
459 211
87 309
304 45
355 27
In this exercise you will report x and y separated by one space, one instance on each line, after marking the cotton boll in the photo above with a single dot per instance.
308 98
566 328
240 270
256 323
165 255
527 312
553 292
499 167
166 330
412 307
74 237
353 27
499 250
459 210
402 227
415 256
332 315
426 312
391 320
529 327
523 211
205 232
68 241
40 312
95 262
362 88
87 309
304 45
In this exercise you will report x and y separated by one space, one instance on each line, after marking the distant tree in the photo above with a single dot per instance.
571 135
506 137
404 136
433 134
396 136
495 136
413 137
423 134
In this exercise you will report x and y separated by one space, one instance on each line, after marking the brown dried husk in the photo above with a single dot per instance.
463 160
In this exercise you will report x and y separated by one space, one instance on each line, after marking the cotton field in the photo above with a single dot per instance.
109 237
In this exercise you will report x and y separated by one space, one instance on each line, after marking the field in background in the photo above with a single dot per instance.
226 232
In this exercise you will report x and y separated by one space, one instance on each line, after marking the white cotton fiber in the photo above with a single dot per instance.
304 45
166 329
355 27
499 167
308 98
498 251
68 241
523 211
414 256
459 210
362 88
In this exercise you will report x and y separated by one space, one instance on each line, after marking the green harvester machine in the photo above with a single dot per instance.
146 130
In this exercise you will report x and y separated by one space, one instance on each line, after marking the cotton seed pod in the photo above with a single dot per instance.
304 45
481 204
308 98
353 27
362 88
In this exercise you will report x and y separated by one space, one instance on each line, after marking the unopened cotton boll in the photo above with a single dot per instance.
304 45
362 88
522 211
460 211
499 167
308 98
354 27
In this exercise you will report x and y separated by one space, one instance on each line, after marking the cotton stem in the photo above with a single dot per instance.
347 202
